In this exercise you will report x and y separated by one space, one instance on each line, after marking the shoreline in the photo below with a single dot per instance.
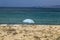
28 24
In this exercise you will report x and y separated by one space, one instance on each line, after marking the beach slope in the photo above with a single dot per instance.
29 32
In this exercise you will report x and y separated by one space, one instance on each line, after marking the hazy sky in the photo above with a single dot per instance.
28 3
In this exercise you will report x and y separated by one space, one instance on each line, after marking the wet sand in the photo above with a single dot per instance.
29 32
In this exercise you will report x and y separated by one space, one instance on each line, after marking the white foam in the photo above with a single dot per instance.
16 25
3 25
28 21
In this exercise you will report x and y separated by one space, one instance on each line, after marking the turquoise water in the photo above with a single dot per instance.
16 16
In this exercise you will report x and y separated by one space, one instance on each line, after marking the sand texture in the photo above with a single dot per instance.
29 32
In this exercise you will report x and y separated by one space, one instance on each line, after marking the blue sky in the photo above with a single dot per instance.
28 3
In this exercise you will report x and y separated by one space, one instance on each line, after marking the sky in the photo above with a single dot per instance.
28 3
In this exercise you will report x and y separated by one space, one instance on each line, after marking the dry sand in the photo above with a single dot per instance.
29 32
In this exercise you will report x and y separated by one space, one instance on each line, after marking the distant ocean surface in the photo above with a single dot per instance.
15 15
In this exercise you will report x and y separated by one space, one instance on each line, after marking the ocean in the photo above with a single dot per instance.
16 15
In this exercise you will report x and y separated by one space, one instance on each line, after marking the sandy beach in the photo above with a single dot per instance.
29 32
